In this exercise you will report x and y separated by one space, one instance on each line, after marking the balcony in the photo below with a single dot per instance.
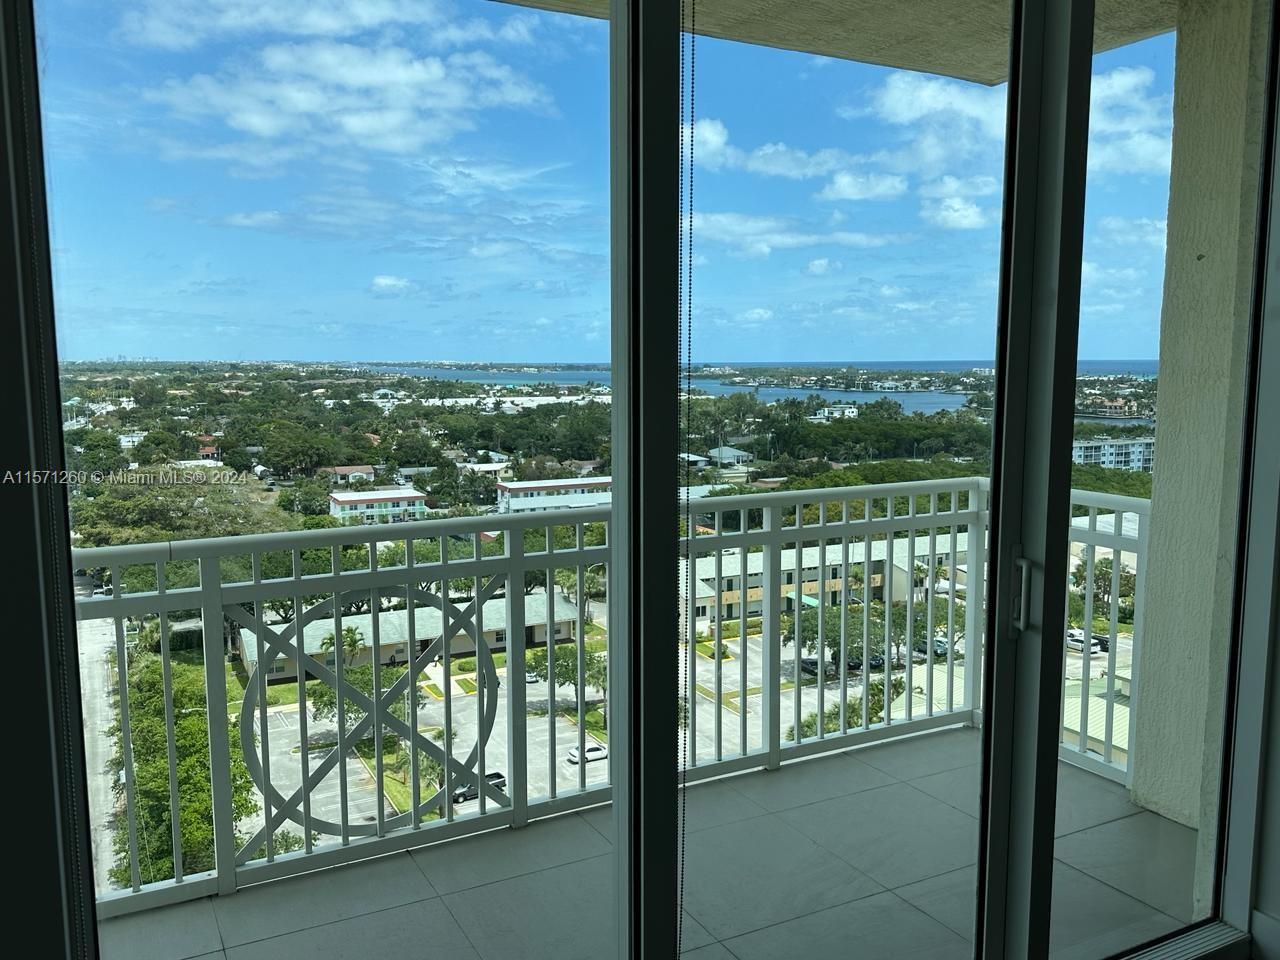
860 712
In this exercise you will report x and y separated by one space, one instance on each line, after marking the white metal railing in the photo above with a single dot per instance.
823 618
449 571
807 621
1106 574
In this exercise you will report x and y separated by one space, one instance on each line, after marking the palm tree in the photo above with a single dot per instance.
352 644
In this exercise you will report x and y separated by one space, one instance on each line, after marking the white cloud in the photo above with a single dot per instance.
465 176
945 121
907 98
389 285
863 186
710 143
890 292
490 249
327 95
1130 128
758 236
713 151
1140 231
519 29
822 265
255 218
183 24
1093 273
954 213
949 186
780 160
755 316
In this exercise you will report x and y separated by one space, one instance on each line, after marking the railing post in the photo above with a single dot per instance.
517 719
975 596
770 631
1135 651
215 686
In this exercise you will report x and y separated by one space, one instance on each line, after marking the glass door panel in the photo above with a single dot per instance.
840 261
333 312
1173 173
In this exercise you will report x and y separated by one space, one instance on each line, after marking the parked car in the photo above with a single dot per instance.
1098 643
595 751
470 791
855 662
940 648
102 592
809 667
533 678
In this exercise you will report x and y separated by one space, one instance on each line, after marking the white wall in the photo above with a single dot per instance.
1208 273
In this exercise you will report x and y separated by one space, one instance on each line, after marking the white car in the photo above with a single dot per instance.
1075 641
595 751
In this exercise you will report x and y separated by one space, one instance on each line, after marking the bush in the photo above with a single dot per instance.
731 629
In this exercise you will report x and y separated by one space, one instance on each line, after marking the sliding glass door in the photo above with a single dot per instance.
1098 522
930 650
1130 330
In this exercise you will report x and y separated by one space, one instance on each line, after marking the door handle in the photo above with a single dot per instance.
1023 598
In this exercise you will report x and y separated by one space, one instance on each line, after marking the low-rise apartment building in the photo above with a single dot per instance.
525 496
395 645
1129 453
377 506
818 585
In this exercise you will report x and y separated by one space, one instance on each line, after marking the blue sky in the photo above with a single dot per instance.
416 179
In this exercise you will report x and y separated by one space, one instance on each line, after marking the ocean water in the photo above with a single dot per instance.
912 401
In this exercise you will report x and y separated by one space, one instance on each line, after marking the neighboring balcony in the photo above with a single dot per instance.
872 596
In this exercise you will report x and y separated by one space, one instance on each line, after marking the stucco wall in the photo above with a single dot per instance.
1203 339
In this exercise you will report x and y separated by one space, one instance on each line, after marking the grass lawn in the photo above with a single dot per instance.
467 684
728 698
468 664
395 784
597 645
433 690
593 722
707 650
396 789
278 694
595 725
595 630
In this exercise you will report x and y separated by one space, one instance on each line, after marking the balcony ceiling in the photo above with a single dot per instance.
969 41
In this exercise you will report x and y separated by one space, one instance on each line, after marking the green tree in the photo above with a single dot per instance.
1102 577
95 451
160 446
309 497
151 774
352 644
853 712
595 666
